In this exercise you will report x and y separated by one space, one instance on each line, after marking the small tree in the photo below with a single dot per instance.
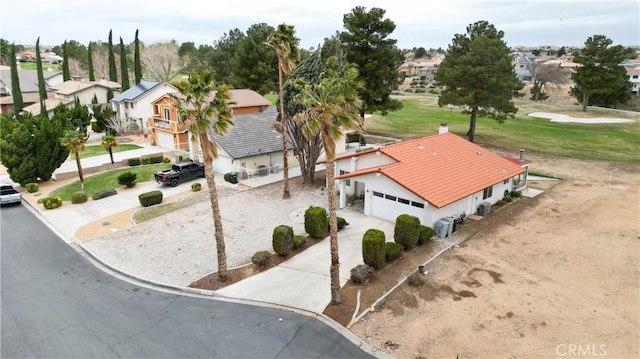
74 142
109 142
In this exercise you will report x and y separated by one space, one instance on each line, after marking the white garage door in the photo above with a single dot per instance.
389 209
165 140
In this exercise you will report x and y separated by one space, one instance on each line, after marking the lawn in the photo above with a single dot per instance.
612 142
97 150
108 180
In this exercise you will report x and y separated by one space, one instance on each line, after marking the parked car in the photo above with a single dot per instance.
180 172
8 195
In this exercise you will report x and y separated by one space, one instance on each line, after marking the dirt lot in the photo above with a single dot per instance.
556 278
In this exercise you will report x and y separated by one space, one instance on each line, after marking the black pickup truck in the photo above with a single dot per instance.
179 172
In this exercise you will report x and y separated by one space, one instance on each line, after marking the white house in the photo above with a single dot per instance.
134 106
430 178
85 91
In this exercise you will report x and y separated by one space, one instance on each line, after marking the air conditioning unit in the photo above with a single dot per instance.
484 209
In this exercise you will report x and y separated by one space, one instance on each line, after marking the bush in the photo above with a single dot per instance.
78 197
145 160
425 234
104 193
416 279
51 202
282 240
341 222
156 159
502 202
316 222
260 258
134 161
392 250
420 90
298 241
150 198
408 90
166 160
31 187
127 179
373 249
515 194
407 231
195 187
360 274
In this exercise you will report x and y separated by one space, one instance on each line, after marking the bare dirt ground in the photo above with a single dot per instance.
555 276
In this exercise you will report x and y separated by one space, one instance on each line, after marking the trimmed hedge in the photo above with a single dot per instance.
145 160
150 198
282 240
298 241
31 187
407 231
133 161
260 258
392 250
127 179
78 197
373 248
316 222
195 187
156 159
166 160
51 202
104 193
425 234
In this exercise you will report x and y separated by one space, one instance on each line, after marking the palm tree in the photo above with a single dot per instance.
284 42
109 142
331 108
74 142
202 114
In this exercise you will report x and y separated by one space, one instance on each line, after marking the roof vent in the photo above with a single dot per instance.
420 147
443 128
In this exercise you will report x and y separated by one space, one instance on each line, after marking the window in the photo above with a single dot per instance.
488 192
378 194
167 114
390 197
348 182
417 204
403 201
506 181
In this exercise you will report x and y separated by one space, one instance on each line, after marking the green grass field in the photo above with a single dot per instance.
611 142
97 150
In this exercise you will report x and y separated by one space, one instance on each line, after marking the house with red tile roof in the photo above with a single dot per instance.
430 178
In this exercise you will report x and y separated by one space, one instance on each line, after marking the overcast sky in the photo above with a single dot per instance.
426 23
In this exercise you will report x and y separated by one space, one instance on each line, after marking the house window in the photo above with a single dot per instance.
403 201
348 182
390 197
417 204
130 104
378 194
488 192
167 114
506 181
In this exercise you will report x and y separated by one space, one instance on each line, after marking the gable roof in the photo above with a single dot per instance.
247 98
71 87
50 104
138 90
441 169
252 134
28 79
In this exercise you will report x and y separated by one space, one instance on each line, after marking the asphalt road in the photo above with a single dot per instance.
57 304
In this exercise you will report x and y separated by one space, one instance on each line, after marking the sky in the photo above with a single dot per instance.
419 23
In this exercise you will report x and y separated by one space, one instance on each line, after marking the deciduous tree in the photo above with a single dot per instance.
161 60
477 73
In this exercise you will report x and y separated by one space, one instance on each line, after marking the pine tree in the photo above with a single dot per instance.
124 69
42 90
113 72
137 65
92 76
66 76
16 93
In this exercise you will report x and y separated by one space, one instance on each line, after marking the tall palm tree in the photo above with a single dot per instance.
74 142
331 108
284 42
109 142
201 114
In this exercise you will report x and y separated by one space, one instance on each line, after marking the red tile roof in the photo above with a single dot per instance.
441 169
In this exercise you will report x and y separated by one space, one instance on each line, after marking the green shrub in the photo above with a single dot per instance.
406 231
166 160
316 222
425 234
515 194
31 187
127 179
373 248
150 198
408 90
260 258
420 90
505 200
78 197
282 240
145 160
298 241
392 250
51 202
104 193
134 161
156 159
341 222
195 187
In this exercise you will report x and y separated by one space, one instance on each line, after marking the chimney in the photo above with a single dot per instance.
521 155
443 128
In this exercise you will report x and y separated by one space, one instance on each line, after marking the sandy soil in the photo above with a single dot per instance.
558 278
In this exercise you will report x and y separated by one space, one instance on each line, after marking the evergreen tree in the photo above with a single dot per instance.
255 64
42 90
92 76
124 69
16 93
137 64
66 76
113 72
537 94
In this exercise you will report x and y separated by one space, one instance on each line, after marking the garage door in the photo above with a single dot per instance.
165 140
388 208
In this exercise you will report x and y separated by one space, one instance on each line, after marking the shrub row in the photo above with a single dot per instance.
146 160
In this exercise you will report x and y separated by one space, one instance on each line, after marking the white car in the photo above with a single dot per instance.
9 195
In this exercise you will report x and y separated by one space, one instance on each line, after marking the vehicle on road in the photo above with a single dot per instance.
8 195
179 172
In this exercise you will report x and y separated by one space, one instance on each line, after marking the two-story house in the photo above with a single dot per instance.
28 87
134 106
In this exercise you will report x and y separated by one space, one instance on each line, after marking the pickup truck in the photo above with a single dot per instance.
9 195
179 172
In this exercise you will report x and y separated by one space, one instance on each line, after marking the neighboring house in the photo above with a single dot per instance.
633 74
50 105
423 69
430 178
135 105
85 91
28 87
521 64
